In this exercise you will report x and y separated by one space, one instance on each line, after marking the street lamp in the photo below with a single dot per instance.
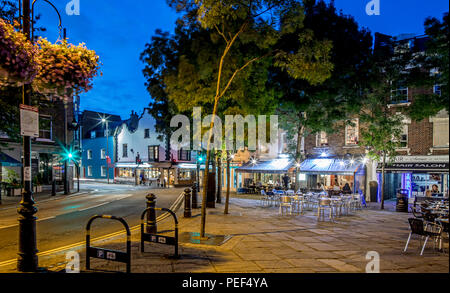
27 260
74 126
105 122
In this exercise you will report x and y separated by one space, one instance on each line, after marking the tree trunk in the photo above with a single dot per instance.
219 179
382 180
298 155
227 199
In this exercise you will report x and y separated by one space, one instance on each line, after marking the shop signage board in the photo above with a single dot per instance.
29 121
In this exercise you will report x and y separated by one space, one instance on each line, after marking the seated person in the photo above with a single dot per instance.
346 189
435 190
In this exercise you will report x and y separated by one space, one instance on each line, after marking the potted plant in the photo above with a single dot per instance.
65 67
12 184
18 63
37 183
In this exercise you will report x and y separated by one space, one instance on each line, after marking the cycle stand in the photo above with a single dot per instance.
160 239
108 254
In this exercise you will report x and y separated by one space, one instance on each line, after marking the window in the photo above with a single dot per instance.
89 154
399 94
103 171
125 150
102 154
184 155
45 127
352 132
440 134
89 171
153 153
147 133
437 89
404 136
322 139
93 134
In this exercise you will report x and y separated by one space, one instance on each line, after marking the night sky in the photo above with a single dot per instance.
118 31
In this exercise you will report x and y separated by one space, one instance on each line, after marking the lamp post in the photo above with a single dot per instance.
105 122
27 260
74 126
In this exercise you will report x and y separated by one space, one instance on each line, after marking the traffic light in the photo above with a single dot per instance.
70 154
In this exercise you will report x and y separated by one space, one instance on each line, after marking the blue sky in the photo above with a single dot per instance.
118 31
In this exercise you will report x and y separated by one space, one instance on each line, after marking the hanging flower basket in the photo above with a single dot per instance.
18 64
65 69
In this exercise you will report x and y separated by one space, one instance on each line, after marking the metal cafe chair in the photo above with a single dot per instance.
265 199
356 201
419 228
290 192
324 205
444 229
285 202
298 204
336 205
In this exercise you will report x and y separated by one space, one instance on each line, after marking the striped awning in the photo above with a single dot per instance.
273 166
330 166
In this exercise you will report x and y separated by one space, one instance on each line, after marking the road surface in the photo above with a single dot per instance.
62 221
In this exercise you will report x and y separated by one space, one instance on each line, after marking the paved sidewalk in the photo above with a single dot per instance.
265 242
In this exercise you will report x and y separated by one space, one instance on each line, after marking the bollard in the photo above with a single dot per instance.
187 203
194 196
151 215
53 187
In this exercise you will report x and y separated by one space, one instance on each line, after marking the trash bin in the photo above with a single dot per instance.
402 200
373 189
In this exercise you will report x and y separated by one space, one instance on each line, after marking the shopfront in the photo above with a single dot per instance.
417 174
265 173
333 173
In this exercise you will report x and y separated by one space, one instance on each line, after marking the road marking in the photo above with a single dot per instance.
38 220
48 218
114 234
94 206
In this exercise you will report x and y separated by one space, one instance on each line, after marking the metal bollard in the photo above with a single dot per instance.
187 203
194 196
151 215
53 187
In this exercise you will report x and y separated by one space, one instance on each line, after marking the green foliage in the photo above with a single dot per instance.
313 107
436 58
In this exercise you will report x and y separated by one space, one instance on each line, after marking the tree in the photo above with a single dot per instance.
391 68
434 59
255 25
309 108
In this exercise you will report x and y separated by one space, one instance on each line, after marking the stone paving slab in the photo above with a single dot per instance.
265 242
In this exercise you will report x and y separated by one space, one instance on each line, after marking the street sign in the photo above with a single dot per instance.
29 121
159 239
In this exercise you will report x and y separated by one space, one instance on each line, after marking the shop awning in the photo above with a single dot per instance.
416 167
330 166
8 161
273 166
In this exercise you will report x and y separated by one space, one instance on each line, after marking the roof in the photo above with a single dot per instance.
330 166
272 166
6 160
91 121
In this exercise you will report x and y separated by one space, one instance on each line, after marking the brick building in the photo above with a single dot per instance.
421 161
